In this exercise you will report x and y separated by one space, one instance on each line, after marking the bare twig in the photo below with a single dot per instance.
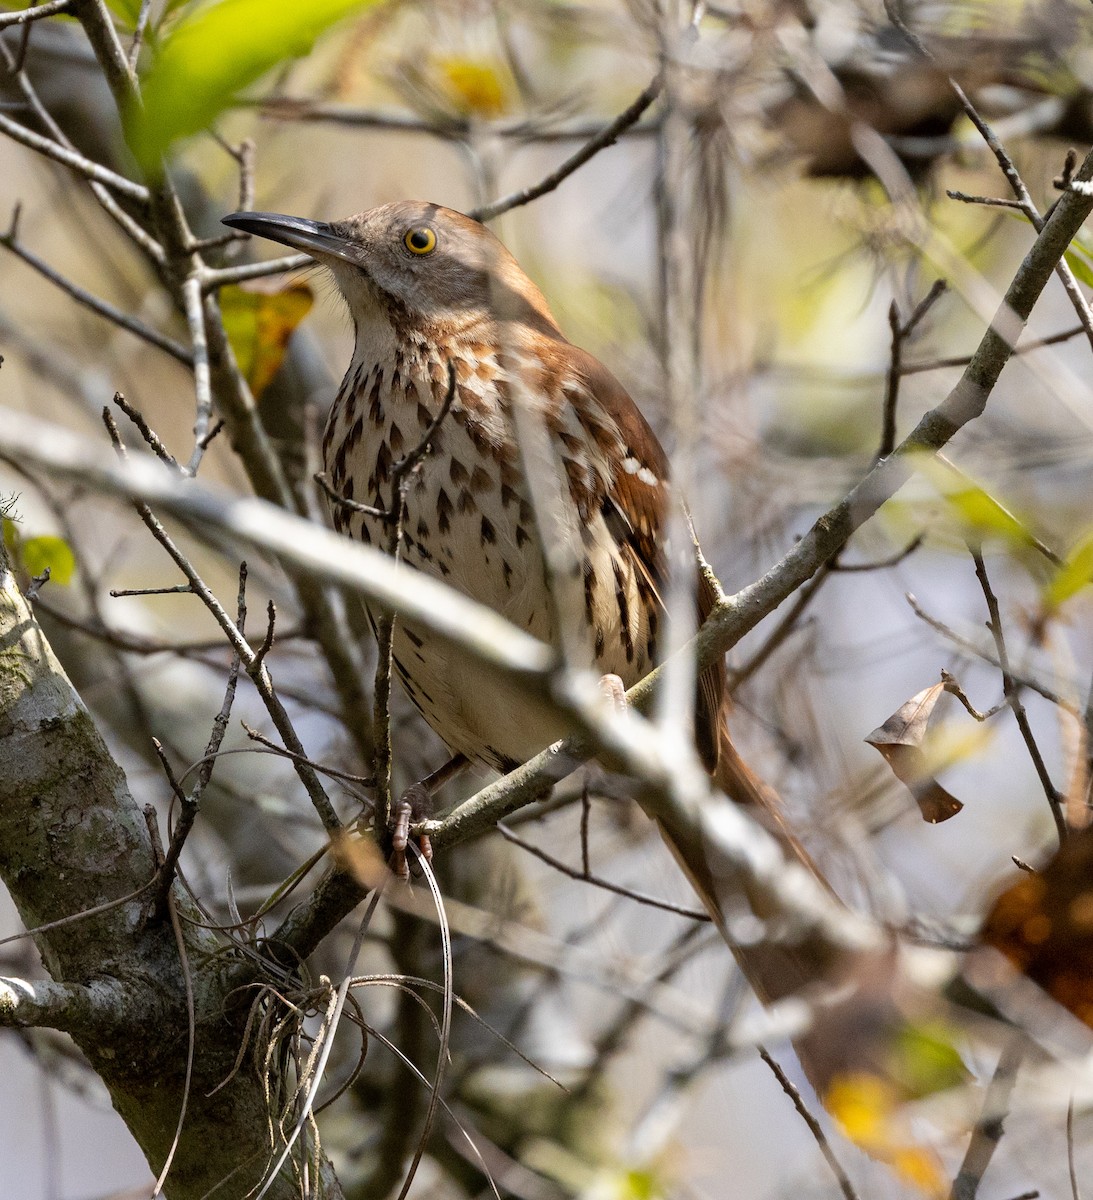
584 875
217 277
155 444
102 307
25 16
1012 691
255 668
1013 177
72 159
606 137
195 320
814 1126
962 360
966 644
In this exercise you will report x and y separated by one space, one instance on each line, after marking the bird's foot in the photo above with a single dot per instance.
413 805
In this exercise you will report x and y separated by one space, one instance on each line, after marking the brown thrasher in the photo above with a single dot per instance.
431 290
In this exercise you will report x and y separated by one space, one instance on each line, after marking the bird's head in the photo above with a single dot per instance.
413 263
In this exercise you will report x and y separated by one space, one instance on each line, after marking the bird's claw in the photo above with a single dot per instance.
411 806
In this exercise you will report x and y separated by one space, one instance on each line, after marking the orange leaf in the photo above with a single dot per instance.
259 318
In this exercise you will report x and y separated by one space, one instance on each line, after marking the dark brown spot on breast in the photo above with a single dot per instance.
383 462
457 473
395 439
466 502
624 611
443 512
487 531
589 587
375 404
481 480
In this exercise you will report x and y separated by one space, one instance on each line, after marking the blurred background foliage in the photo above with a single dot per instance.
801 251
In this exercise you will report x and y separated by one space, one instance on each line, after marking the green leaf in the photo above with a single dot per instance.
977 510
1080 265
924 1059
1075 573
11 535
38 553
126 10
211 56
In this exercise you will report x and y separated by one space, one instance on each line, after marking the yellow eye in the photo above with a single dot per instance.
419 240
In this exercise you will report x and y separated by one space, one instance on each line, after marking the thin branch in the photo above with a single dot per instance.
155 443
132 228
254 666
584 875
962 360
1012 691
606 137
104 309
901 331
195 320
1006 164
814 1126
72 159
218 277
138 33
966 644
26 15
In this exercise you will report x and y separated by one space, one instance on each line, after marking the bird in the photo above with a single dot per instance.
454 344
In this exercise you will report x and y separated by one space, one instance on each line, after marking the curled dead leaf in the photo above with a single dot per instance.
900 742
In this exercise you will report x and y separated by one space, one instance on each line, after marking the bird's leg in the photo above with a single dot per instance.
413 805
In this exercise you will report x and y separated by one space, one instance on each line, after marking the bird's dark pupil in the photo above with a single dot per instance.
419 239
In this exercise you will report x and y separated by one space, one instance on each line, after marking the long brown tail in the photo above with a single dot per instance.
774 970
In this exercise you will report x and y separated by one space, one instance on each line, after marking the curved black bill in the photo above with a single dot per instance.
312 237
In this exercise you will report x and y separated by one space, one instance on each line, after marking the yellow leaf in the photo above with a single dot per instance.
867 1109
476 88
978 511
259 323
1075 573
38 553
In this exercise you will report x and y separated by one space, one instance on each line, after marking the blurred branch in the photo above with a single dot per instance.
988 1129
289 108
